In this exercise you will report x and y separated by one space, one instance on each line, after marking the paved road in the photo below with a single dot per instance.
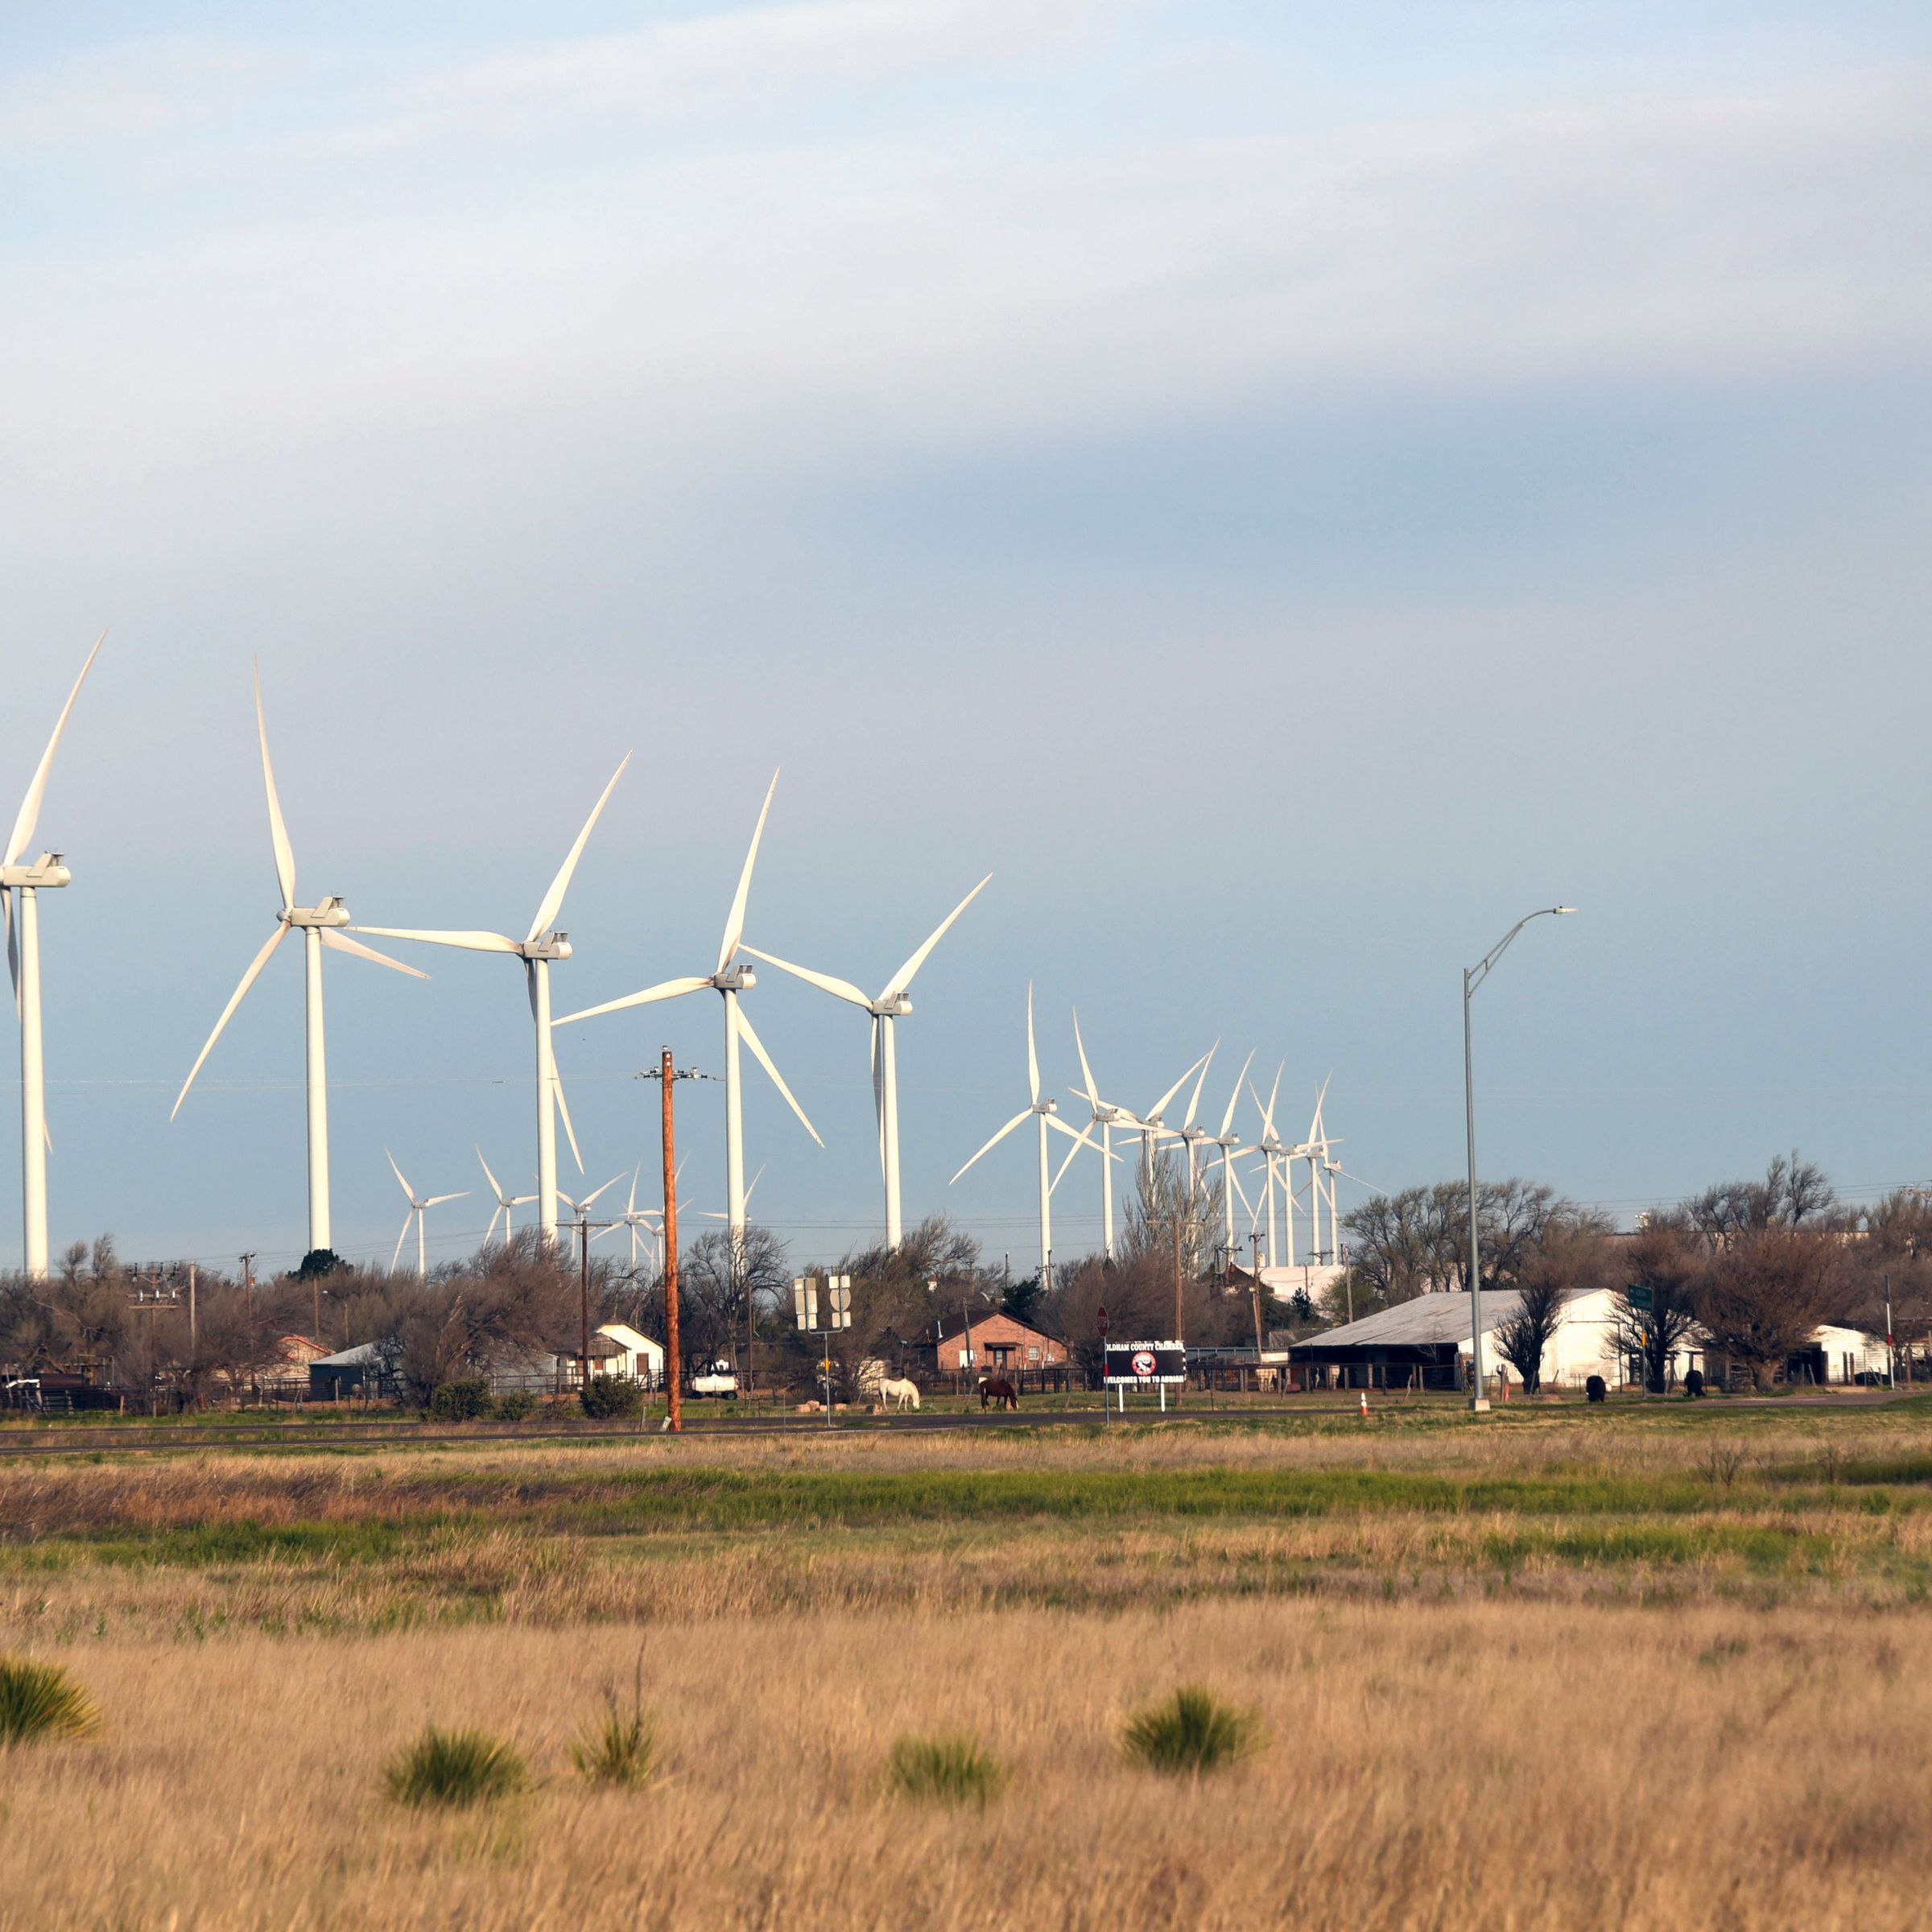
710 1425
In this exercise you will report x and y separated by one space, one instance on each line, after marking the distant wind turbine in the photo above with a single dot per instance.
891 1005
320 926
25 883
1273 1153
729 978
418 1206
505 1203
536 949
1227 1141
1106 1116
1048 1113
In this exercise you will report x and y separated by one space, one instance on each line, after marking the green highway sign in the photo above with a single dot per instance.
1642 1300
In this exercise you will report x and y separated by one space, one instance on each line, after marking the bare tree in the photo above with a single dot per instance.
1764 1291
1793 1192
1523 1335
1665 1259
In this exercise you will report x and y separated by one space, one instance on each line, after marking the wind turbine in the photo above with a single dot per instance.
1106 1116
892 1005
1227 1140
417 1207
24 883
729 978
1048 1113
505 1203
320 926
536 949
636 1221
1190 1136
1153 1129
1315 1151
1273 1151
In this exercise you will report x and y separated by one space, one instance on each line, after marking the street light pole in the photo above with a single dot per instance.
1472 977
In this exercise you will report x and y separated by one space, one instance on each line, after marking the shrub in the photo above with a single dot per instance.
1190 1732
460 1402
619 1749
954 1770
41 1700
605 1396
517 1406
454 1767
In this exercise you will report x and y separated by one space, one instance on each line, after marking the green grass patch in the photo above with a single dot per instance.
950 1769
1190 1732
41 1701
455 1768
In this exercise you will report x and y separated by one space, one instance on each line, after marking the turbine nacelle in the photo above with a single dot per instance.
46 871
552 945
894 1006
737 977
331 913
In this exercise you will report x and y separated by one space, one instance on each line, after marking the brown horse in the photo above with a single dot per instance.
999 1390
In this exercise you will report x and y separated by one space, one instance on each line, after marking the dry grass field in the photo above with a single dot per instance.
1557 1669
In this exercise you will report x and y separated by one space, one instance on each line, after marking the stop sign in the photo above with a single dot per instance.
1100 1320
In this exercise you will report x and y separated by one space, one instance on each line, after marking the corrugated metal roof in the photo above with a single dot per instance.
1429 1318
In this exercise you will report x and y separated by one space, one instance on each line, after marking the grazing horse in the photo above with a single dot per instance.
900 1392
1000 1391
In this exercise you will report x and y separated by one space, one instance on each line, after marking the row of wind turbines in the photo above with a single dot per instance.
327 926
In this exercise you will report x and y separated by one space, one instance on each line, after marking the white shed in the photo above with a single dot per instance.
637 1355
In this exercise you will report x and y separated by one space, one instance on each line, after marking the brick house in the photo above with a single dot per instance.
999 1345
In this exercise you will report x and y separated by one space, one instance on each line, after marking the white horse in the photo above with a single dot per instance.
899 1393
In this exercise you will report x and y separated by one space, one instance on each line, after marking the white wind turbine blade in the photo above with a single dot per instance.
1053 1185
778 1080
490 1233
570 1132
36 790
1315 1126
277 833
1227 1118
489 1177
340 942
1234 1175
1093 1092
630 1207
596 1191
754 1188
1161 1104
248 979
401 1239
1008 1129
553 900
665 989
1032 1059
470 941
13 945
436 1200
901 980
734 923
409 1193
1195 1099
826 982
1268 1112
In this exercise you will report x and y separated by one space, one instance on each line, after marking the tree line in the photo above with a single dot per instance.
1756 1265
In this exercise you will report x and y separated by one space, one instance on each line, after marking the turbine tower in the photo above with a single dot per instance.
24 883
891 1005
538 948
1106 1116
1048 1113
1273 1151
1227 1140
320 926
730 979
418 1205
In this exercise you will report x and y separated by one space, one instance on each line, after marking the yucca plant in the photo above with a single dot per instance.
954 1770
618 1750
1190 1732
41 1700
454 1768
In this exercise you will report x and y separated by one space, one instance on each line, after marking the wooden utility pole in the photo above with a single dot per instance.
672 1357
248 1282
1180 1333
1255 1244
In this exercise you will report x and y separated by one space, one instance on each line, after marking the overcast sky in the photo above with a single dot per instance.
1286 488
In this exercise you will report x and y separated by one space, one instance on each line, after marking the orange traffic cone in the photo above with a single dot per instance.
1365 1404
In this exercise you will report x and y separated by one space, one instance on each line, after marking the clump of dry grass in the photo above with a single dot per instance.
618 1749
